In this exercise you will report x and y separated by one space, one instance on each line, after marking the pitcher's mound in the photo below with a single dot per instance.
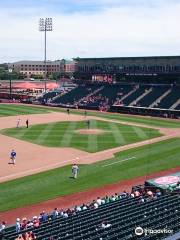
90 131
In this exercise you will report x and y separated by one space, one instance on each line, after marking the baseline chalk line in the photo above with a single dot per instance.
126 159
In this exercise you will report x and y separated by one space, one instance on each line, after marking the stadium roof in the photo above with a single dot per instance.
31 62
142 57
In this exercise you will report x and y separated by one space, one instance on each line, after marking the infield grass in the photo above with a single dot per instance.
63 134
57 182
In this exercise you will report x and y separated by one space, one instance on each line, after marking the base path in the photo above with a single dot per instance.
33 158
78 198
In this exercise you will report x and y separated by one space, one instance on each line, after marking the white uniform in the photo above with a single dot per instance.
75 171
18 122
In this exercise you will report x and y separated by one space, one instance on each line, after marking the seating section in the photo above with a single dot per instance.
153 95
171 98
48 95
75 95
178 107
94 96
107 96
124 215
135 95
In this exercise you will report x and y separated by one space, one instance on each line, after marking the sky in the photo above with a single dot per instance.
89 28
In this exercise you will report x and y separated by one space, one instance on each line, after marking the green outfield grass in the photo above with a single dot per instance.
9 110
54 183
150 121
62 134
147 120
13 110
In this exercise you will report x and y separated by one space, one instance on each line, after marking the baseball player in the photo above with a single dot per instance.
18 122
12 157
27 123
88 124
75 170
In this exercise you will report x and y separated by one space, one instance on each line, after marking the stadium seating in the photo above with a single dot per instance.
124 215
75 95
108 93
153 95
95 96
171 98
128 101
48 95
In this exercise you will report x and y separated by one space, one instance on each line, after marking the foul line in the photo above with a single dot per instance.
34 171
118 161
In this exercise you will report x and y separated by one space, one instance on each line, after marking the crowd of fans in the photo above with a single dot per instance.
101 101
141 195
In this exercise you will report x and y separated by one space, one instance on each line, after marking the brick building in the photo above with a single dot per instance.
29 68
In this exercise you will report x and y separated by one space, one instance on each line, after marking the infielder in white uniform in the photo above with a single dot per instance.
18 122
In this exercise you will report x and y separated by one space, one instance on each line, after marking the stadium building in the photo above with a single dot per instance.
29 68
160 68
135 85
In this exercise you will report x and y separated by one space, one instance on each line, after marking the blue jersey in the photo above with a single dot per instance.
13 154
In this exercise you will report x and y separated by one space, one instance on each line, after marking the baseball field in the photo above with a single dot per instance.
101 135
115 148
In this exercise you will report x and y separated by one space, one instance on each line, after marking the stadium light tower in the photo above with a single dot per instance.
45 25
10 83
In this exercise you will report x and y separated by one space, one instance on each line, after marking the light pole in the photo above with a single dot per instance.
10 83
45 25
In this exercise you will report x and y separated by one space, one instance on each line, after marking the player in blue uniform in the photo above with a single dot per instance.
12 157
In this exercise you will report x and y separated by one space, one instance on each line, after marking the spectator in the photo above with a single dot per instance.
61 213
2 226
99 201
141 200
84 207
124 194
95 204
158 193
69 211
65 215
78 209
19 237
55 213
177 186
44 216
31 236
116 196
29 223
149 192
137 193
132 194
105 224
18 225
36 222
107 200
112 198
24 224
25 236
